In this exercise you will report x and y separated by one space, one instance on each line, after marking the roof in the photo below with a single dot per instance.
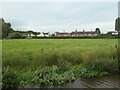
61 32
45 33
112 32
85 32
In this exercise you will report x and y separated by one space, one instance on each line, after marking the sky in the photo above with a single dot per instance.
60 16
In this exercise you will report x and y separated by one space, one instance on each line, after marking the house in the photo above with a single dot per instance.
27 34
84 33
113 32
44 34
77 34
62 34
30 35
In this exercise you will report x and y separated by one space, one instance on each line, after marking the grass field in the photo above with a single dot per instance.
57 61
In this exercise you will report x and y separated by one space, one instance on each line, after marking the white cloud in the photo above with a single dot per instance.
60 16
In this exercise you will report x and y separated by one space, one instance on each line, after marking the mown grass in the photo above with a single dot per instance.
67 58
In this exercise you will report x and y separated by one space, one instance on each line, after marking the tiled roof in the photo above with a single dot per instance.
61 33
45 33
85 32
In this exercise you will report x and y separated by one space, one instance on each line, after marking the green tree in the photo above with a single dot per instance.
5 28
98 30
117 24
36 33
15 35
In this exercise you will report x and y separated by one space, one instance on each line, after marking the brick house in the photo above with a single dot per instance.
62 34
84 33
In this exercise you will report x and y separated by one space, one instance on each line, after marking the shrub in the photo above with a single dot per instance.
15 35
10 78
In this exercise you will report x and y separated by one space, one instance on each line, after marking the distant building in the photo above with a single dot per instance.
30 35
113 32
77 34
84 33
62 34
27 34
44 34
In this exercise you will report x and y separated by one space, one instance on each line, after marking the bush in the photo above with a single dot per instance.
10 78
15 35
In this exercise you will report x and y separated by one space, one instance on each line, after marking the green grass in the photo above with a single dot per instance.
71 57
43 52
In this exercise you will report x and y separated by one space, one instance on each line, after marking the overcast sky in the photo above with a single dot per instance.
60 16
